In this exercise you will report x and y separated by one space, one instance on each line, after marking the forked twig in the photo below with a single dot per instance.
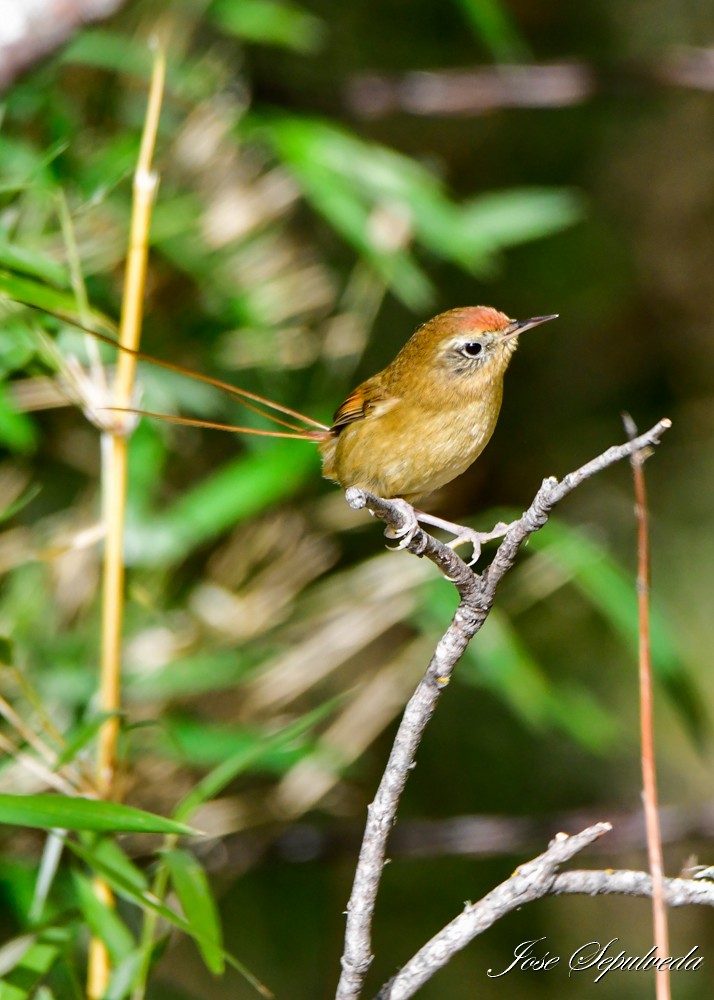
477 593
531 881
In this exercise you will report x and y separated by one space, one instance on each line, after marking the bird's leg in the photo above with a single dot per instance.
462 533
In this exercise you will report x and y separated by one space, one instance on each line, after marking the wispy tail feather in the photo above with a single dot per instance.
243 396
303 435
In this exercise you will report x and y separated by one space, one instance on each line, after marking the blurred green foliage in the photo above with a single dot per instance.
269 643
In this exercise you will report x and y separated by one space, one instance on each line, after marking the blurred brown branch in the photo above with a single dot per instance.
470 92
477 593
474 836
31 31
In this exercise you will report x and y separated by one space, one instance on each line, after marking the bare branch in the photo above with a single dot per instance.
529 882
677 891
477 593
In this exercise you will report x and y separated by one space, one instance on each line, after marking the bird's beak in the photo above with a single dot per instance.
517 326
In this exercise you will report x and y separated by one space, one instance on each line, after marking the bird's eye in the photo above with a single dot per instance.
471 350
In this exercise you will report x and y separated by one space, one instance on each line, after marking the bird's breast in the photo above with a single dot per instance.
411 450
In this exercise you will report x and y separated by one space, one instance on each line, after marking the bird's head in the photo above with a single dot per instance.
473 339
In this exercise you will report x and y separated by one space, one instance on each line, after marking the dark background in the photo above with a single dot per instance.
629 272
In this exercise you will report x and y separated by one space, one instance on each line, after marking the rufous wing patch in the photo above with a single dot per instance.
364 400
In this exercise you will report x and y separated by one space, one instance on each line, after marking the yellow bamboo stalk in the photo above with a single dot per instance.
115 464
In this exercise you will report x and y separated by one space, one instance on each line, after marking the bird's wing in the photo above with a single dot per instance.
367 398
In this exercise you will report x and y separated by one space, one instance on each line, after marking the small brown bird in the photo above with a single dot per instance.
417 424
423 420
427 416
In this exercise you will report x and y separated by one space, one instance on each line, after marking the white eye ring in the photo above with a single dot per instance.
471 350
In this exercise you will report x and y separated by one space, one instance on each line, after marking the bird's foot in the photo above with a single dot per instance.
413 518
408 529
464 535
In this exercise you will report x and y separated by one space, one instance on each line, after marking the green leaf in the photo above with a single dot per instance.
81 737
190 675
354 184
124 977
217 779
17 345
8 512
48 812
147 901
109 857
33 962
199 907
17 431
494 221
498 659
102 920
25 291
347 181
207 744
24 167
609 589
110 51
20 258
234 493
493 24
126 888
18 877
269 23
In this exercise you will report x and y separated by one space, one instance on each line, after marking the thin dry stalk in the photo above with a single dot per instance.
27 733
48 756
649 768
80 291
116 442
35 766
114 446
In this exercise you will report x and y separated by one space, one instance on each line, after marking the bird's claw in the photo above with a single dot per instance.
409 528
470 537
477 538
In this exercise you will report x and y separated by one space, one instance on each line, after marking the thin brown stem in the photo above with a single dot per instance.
649 767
